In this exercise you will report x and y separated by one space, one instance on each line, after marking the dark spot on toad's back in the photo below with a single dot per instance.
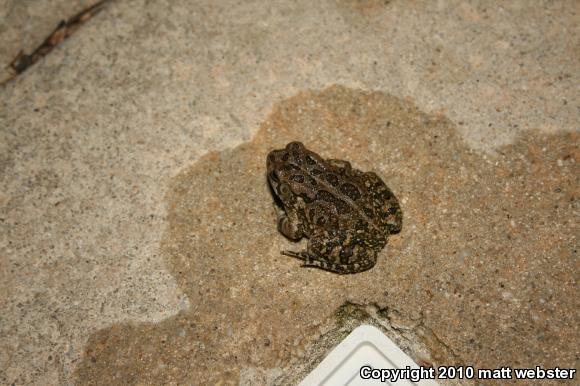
298 178
331 178
351 191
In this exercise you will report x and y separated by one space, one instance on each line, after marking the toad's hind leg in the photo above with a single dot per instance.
389 210
357 261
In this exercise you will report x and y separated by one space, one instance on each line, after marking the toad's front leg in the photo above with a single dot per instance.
289 225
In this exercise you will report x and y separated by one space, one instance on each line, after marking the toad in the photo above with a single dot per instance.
346 214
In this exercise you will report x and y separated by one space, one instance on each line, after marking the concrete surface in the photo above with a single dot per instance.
138 240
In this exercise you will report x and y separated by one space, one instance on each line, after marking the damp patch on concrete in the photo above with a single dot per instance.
486 261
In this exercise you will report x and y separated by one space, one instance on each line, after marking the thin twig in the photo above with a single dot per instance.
63 30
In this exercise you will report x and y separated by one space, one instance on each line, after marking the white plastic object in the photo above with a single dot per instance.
364 346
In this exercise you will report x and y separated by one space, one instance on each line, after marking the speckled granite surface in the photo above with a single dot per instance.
138 238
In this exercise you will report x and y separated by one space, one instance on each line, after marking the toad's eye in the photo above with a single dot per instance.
285 190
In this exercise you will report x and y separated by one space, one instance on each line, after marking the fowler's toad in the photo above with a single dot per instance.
345 213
